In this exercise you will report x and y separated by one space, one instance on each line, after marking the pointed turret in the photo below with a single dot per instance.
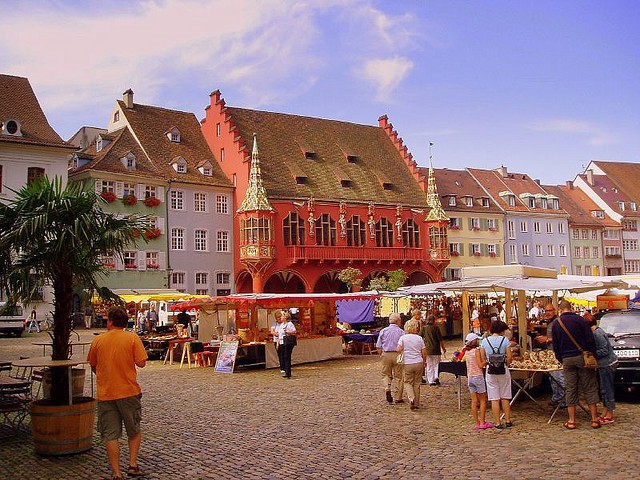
255 199
433 199
437 223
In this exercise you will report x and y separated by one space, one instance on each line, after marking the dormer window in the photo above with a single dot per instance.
511 199
352 159
347 183
387 186
632 206
116 116
301 180
206 169
543 203
485 202
532 202
11 127
174 135
621 206
555 204
101 143
129 161
179 164
452 201
598 213
468 201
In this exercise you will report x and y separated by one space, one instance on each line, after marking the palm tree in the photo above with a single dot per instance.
50 234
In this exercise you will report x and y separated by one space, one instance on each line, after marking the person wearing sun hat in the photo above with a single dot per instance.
475 382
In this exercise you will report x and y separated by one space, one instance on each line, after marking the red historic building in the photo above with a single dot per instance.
315 196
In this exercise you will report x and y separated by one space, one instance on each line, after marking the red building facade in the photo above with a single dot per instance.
315 196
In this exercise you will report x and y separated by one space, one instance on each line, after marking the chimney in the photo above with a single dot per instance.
590 177
127 98
569 184
502 171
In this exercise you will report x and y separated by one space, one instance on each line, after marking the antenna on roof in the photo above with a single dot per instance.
430 154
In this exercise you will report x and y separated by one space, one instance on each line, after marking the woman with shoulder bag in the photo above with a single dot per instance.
495 355
287 340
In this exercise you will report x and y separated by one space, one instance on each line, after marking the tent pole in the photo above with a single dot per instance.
465 313
522 319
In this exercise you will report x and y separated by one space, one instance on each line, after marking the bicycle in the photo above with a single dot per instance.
47 323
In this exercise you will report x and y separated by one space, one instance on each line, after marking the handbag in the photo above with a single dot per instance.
290 340
590 361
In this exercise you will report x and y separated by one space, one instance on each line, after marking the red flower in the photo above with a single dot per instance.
108 196
153 266
152 201
454 227
130 199
493 255
130 266
455 253
476 254
151 233
109 265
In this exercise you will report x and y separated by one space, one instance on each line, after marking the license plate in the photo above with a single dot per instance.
627 353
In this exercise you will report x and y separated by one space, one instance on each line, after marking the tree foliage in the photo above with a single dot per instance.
55 235
351 277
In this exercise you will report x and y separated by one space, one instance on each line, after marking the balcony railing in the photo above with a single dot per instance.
303 253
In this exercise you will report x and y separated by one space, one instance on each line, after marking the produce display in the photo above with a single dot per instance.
536 360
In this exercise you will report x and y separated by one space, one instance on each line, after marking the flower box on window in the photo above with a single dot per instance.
109 265
130 266
130 199
455 253
152 233
493 255
108 196
476 254
454 227
475 229
493 229
151 201
153 266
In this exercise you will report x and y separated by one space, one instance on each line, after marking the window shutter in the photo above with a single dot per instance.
483 249
98 186
161 260
141 257
160 193
497 249
496 224
470 223
140 188
160 224
119 189
461 248
484 224
119 263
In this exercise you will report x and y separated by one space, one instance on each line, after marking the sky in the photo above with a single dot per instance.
540 87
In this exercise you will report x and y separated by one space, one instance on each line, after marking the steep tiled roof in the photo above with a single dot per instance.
517 183
108 159
610 193
18 102
460 183
285 138
151 124
625 175
579 206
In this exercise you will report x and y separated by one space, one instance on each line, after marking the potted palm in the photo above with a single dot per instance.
56 235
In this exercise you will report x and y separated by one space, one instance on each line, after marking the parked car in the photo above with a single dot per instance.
623 328
12 319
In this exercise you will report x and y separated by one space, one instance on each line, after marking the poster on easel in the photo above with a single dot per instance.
226 357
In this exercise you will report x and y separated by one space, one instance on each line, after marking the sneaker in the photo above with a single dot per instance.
389 396
500 426
508 424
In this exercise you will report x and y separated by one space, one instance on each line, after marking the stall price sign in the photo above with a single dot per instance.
226 357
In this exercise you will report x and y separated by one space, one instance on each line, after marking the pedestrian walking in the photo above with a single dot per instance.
114 356
88 316
387 343
33 322
414 359
434 344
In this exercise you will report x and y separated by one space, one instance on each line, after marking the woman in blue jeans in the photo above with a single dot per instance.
607 364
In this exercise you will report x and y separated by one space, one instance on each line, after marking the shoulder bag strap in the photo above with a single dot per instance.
570 336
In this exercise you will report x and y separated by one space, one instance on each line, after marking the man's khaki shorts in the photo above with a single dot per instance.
112 413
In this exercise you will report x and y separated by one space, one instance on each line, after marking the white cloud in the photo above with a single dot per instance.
385 74
597 135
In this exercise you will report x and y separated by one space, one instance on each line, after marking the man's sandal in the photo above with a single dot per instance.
569 425
135 472
595 424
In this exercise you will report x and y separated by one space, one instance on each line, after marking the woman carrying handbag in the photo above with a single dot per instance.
287 340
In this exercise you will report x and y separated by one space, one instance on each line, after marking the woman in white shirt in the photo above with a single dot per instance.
285 329
414 357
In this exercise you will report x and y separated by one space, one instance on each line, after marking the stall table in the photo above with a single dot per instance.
364 343
459 369
308 350
44 346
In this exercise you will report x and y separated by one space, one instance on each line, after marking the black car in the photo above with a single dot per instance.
623 328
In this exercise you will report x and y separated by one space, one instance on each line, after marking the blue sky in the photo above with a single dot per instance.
541 87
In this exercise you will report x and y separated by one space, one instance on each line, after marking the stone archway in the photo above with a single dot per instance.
418 278
244 283
371 276
285 282
329 283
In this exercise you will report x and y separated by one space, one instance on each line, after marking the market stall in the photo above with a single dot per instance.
249 317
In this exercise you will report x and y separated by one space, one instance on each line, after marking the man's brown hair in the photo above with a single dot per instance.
119 317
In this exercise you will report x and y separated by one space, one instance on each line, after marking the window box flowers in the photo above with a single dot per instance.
151 201
109 265
108 196
152 233
153 266
475 229
130 266
130 199
455 253
493 229
477 254
493 255
454 227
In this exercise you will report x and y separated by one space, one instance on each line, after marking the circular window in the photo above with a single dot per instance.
12 127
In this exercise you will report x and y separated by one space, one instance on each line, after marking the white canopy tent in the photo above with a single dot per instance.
521 278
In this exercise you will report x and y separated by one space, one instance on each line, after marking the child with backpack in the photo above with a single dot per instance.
475 382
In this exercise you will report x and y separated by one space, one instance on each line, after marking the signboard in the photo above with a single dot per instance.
612 302
226 357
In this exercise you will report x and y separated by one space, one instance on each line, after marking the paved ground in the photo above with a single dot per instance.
330 422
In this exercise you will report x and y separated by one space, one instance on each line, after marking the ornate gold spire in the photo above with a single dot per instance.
255 198
433 199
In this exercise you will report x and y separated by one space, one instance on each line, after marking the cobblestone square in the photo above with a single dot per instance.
330 421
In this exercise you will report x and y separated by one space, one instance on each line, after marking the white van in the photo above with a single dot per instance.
12 319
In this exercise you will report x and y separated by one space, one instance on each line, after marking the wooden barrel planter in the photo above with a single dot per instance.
63 429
